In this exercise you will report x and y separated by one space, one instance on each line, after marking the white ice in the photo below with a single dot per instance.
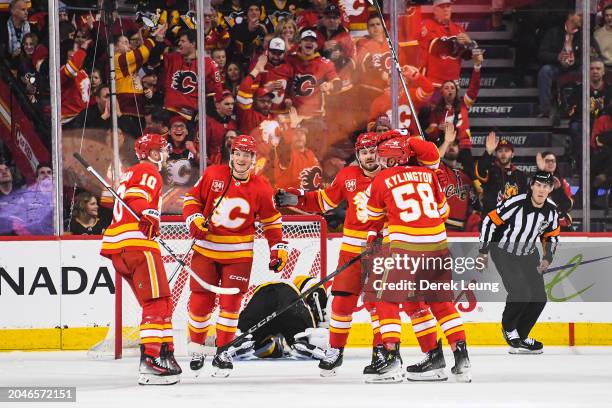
561 377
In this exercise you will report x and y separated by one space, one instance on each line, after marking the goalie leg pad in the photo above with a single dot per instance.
449 320
341 320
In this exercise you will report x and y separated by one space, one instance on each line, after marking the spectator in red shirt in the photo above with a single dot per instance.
275 75
253 106
332 36
309 17
443 45
74 81
219 121
297 165
220 57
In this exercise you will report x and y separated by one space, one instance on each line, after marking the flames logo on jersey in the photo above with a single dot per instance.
457 187
304 85
361 200
185 81
217 186
380 62
509 190
310 178
350 185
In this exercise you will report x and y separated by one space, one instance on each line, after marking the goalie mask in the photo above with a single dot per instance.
149 142
316 301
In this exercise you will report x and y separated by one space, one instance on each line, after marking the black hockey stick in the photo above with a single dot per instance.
277 313
398 67
205 285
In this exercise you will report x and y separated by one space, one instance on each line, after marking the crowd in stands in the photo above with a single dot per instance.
304 77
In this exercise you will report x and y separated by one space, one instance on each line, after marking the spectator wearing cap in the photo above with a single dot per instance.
15 28
333 39
297 166
313 76
499 178
275 75
180 73
254 105
219 121
443 45
310 16
560 52
247 37
380 125
128 61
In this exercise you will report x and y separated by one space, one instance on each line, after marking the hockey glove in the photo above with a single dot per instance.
289 197
197 226
149 223
278 257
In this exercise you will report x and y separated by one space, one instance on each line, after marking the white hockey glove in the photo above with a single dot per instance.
312 342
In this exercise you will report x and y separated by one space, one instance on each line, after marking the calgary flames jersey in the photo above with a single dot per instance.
283 73
350 184
372 59
140 188
231 229
460 196
414 205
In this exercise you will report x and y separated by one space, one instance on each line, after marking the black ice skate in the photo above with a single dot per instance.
156 370
169 356
388 369
513 340
528 346
431 368
222 363
331 362
462 368
377 356
197 354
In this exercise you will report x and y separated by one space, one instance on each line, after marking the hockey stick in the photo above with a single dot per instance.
397 65
202 283
277 313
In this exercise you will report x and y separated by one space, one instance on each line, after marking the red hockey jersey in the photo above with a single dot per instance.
75 86
357 12
248 117
232 225
181 83
283 73
140 188
350 184
414 205
460 196
372 60
309 74
440 52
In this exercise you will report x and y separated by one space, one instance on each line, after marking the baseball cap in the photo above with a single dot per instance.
504 143
441 2
219 96
277 44
331 11
543 177
262 91
307 34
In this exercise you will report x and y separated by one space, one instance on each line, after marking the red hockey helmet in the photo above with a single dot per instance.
396 148
150 141
392 134
366 141
245 143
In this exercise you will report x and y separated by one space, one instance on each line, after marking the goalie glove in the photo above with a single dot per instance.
289 197
197 226
149 223
278 256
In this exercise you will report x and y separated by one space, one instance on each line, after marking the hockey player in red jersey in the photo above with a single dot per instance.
411 200
223 249
130 245
349 184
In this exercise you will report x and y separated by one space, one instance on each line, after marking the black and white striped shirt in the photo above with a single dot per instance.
516 226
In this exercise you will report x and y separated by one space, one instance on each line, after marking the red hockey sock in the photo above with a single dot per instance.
449 320
376 337
423 325
227 323
201 305
154 327
341 319
390 323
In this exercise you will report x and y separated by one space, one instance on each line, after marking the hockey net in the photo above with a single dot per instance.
307 239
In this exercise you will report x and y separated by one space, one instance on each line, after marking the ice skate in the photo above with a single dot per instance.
197 354
431 368
222 364
156 370
462 368
331 362
388 369
527 346
377 356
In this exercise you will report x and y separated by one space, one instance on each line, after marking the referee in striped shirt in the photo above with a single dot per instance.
510 233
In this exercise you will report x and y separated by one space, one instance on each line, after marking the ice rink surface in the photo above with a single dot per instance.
561 377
